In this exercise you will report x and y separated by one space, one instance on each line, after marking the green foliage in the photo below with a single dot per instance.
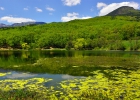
25 46
104 32
80 43
69 45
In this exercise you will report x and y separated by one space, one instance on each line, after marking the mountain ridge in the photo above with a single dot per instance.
2 25
21 24
124 11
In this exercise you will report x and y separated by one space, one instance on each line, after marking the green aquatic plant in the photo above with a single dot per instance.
33 85
101 88
120 86
3 74
105 78
18 95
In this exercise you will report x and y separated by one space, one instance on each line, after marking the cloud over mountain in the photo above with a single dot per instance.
105 9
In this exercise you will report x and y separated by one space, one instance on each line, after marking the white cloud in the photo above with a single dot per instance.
71 2
87 17
1 8
38 9
109 8
11 19
100 5
50 9
25 9
72 16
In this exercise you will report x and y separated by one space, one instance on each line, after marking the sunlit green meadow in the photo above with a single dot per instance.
105 76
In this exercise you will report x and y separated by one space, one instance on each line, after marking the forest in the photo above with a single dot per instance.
98 33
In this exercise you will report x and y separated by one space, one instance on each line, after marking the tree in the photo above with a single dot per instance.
80 43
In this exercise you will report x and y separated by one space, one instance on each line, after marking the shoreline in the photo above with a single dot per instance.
62 49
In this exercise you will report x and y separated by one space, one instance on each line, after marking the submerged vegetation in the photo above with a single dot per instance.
120 86
105 33
104 75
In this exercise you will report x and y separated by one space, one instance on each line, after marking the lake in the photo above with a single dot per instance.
115 74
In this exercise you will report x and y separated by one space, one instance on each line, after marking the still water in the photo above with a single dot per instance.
13 59
16 58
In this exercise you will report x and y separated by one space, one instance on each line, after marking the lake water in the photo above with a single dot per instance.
16 58
61 65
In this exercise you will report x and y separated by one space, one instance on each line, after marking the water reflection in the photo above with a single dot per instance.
57 53
71 69
15 75
62 62
56 78
63 53
68 77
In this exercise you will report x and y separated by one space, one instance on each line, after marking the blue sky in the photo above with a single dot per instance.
16 11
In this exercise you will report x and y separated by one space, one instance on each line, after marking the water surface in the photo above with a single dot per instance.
98 68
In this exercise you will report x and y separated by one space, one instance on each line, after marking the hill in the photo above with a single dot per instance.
105 33
125 11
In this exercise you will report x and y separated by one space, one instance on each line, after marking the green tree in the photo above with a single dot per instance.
80 44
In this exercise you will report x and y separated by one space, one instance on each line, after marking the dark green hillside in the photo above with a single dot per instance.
125 10
106 33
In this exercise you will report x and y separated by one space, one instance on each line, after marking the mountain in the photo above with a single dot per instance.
21 24
27 23
2 25
125 11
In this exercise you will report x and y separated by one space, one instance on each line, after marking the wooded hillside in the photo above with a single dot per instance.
106 33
